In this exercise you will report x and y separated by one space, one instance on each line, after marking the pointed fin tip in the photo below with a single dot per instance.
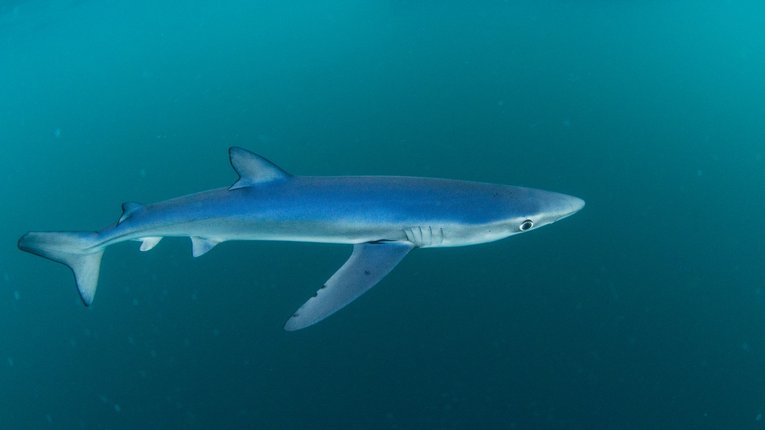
252 168
293 324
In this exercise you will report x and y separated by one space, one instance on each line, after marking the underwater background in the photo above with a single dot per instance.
644 310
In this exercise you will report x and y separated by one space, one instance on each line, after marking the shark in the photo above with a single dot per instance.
382 217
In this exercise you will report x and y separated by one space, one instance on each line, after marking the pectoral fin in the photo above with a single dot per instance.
368 264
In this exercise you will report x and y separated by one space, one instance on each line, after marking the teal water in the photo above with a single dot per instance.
645 310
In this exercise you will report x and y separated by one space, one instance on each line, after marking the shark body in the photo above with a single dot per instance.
383 217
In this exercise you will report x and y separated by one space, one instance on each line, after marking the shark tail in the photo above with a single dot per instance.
80 251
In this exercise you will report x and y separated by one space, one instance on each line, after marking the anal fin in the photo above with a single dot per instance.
148 243
201 246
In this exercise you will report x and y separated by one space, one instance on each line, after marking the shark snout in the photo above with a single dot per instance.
556 206
575 204
568 205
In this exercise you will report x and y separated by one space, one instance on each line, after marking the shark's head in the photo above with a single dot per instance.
540 208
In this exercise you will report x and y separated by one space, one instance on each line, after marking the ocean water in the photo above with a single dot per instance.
645 310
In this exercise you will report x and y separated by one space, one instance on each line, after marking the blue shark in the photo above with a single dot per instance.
383 217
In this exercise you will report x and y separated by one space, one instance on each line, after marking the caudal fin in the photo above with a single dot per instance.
78 250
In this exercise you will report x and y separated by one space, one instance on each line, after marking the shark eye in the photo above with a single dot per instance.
527 224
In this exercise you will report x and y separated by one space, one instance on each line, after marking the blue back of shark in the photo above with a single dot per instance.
383 217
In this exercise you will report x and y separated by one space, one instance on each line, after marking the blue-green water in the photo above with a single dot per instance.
645 310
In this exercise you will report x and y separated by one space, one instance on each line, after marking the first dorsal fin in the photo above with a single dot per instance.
252 168
128 209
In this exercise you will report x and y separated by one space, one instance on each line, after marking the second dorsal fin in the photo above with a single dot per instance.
128 209
253 169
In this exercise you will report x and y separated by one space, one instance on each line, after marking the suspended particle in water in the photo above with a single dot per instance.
57 133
